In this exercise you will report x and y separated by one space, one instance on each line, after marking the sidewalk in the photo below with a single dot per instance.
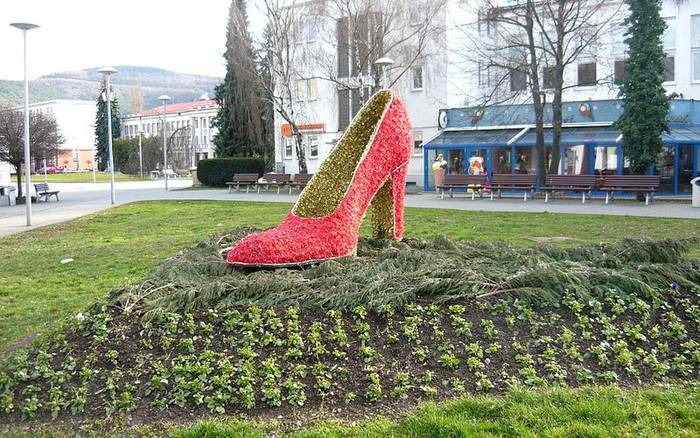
78 199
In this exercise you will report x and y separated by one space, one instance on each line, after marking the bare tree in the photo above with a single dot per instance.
45 138
356 33
282 57
526 48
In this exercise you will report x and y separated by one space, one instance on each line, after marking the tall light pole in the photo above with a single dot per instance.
140 154
164 98
24 27
384 63
106 73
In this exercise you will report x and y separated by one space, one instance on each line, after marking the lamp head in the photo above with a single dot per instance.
164 98
384 61
24 26
107 71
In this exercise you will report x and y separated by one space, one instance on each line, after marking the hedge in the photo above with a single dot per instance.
216 172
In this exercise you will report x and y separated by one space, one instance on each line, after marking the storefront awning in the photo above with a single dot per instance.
603 135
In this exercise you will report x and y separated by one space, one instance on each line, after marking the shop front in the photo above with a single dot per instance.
592 147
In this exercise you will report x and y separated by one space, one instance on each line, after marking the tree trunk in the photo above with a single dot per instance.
537 102
301 155
18 166
556 122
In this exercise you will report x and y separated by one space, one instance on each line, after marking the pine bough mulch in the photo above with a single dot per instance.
401 323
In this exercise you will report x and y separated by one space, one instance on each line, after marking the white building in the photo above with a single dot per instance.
76 122
446 76
192 119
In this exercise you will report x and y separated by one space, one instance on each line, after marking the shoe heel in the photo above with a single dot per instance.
387 206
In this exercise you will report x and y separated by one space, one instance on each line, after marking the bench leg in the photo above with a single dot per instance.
499 193
583 198
525 196
607 198
473 194
451 194
546 197
492 195
646 200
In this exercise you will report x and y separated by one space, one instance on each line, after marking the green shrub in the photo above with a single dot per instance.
216 172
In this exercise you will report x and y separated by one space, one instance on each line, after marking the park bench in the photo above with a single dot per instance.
242 179
43 191
583 184
526 183
7 191
300 181
274 179
646 184
474 182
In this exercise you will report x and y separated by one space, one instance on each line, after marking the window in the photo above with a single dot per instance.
301 89
417 77
617 38
669 37
518 80
418 143
311 31
695 46
548 77
288 148
587 74
669 74
619 71
484 75
313 147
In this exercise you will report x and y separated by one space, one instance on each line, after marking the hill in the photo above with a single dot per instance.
84 84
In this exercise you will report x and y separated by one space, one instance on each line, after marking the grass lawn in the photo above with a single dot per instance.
119 246
80 177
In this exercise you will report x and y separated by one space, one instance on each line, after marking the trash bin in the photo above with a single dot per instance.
695 183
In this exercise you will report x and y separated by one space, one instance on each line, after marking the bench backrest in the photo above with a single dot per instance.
520 180
277 177
458 180
571 180
303 178
244 177
626 181
41 187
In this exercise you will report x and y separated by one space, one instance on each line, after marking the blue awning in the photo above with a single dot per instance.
604 135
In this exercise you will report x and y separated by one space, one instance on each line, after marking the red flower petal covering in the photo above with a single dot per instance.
300 240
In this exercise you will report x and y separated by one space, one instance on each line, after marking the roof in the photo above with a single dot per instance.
458 138
174 108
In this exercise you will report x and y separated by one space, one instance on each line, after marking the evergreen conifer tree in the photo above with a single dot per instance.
101 125
645 112
239 121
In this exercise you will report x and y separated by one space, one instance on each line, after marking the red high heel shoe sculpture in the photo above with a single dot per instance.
367 166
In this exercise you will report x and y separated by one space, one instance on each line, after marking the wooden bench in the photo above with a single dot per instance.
274 179
647 184
242 179
526 183
7 191
300 181
43 191
473 182
583 184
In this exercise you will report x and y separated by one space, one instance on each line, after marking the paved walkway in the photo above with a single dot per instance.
79 199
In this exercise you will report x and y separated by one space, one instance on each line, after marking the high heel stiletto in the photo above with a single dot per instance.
365 171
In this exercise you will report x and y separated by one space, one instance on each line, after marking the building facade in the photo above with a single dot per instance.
447 75
76 122
189 129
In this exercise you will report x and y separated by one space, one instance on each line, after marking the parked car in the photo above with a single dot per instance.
49 170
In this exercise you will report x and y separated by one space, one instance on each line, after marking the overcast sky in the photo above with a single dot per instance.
186 37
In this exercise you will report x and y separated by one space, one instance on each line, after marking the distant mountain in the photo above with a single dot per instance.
84 84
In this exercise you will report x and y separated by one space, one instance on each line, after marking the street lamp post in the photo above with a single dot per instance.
140 154
24 27
164 98
384 63
106 73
